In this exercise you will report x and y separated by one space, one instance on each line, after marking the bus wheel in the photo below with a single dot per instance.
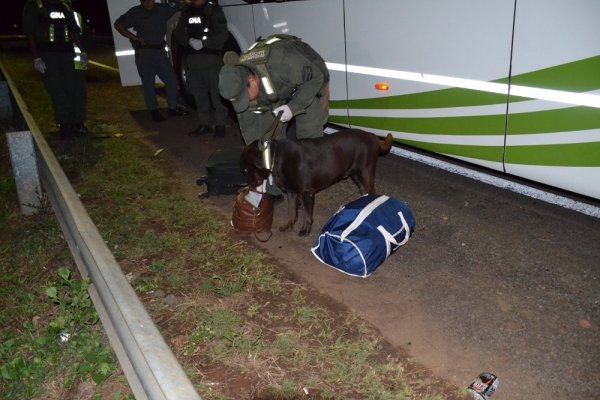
178 59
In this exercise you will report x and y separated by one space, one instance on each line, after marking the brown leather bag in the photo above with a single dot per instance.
249 219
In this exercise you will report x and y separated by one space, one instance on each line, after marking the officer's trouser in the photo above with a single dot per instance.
66 87
151 63
310 123
204 86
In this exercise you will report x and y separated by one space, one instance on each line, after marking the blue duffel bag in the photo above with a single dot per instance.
363 233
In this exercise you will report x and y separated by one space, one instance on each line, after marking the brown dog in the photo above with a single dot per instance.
304 167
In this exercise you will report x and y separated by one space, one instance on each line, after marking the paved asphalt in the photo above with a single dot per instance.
491 281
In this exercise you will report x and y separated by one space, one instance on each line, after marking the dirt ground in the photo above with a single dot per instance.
491 281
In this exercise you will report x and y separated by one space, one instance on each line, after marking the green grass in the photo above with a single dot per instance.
40 293
284 346
63 346
285 390
237 313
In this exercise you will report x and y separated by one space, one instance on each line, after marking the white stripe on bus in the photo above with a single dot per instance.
536 139
581 99
472 111
125 53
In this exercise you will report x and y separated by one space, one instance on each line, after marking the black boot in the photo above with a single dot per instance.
157 116
201 130
66 130
81 129
178 112
219 130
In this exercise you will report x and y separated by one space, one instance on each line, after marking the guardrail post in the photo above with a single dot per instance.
6 110
25 170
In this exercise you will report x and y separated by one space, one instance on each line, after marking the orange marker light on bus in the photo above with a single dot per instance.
384 87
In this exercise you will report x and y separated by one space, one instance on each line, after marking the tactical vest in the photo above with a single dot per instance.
77 59
257 58
53 27
198 23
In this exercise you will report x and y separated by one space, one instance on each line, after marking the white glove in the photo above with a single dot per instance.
287 112
83 59
39 65
196 44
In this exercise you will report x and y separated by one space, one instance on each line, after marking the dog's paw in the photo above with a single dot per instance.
304 232
286 227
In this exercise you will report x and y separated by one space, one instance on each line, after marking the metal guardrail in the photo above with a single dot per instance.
149 365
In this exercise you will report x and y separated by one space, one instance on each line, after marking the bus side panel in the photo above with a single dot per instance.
556 47
317 22
239 23
123 49
434 55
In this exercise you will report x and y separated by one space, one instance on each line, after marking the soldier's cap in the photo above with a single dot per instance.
233 82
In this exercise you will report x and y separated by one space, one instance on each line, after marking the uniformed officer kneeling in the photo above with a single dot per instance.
279 73
54 36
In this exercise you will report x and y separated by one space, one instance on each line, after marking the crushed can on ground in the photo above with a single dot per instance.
484 386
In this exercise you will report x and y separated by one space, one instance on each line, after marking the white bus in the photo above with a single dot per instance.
511 85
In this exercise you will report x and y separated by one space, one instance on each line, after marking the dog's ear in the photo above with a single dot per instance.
251 161
249 153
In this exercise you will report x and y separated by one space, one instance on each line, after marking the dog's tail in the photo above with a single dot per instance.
386 144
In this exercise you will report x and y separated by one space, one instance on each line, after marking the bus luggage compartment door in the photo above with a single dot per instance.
442 62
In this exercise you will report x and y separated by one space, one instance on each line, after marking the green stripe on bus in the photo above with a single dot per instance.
577 76
487 153
444 98
559 155
561 120
476 125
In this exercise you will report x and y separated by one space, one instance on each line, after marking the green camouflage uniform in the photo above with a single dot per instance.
206 23
298 77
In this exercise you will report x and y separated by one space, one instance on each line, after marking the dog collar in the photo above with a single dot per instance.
267 156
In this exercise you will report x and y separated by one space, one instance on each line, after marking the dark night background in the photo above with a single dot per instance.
94 11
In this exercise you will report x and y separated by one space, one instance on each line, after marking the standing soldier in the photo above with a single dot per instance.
54 33
202 30
149 21
280 73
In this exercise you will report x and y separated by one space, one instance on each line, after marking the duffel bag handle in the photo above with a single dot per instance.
390 239
365 212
